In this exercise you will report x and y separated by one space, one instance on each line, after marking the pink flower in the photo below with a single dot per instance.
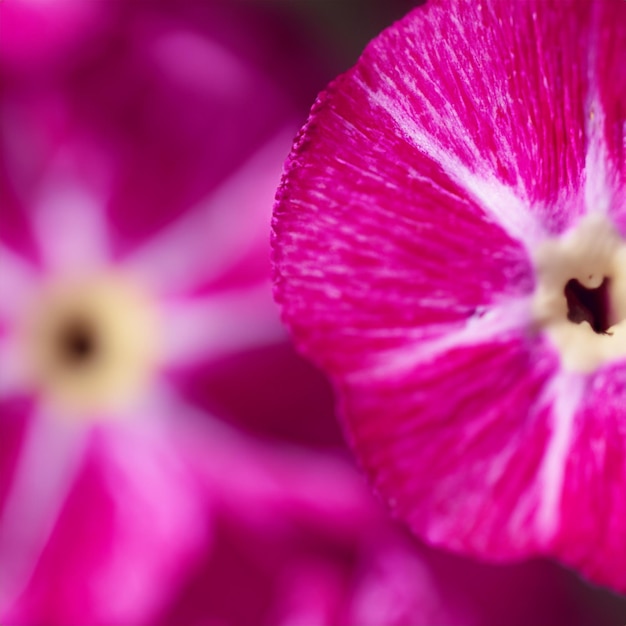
136 190
448 243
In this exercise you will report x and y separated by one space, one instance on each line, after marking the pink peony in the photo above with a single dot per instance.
448 245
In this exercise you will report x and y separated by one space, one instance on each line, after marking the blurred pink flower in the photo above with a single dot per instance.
297 540
136 193
449 247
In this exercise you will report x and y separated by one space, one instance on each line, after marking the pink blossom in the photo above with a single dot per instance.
441 237
136 191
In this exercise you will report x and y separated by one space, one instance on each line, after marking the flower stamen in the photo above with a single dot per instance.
580 298
589 305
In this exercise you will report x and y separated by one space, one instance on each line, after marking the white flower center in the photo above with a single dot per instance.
90 343
580 298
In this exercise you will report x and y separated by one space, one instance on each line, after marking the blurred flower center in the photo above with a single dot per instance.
91 342
78 343
580 298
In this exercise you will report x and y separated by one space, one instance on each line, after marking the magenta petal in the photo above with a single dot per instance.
593 482
13 427
268 391
462 470
389 253
17 282
36 34
165 94
16 231
208 240
606 165
501 93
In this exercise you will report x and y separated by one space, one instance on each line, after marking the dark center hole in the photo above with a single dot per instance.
589 305
77 342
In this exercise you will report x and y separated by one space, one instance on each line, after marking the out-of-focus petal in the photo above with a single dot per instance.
267 391
211 326
16 231
207 241
279 555
128 530
49 455
38 33
16 413
17 284
63 209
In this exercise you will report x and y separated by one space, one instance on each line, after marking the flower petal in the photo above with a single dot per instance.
606 124
50 454
269 391
368 249
38 33
126 533
591 506
16 232
211 326
404 228
71 227
462 470
165 97
513 115
208 240
17 284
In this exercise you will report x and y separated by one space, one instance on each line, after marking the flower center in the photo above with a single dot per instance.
90 343
589 305
77 343
580 298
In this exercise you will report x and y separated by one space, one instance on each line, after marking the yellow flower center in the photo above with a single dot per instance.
580 298
90 343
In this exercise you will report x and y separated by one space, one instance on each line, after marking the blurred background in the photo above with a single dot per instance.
197 474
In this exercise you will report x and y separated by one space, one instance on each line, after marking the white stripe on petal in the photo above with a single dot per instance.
47 466
17 283
497 322
498 201
598 186
218 324
564 395
71 228
13 368
206 240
